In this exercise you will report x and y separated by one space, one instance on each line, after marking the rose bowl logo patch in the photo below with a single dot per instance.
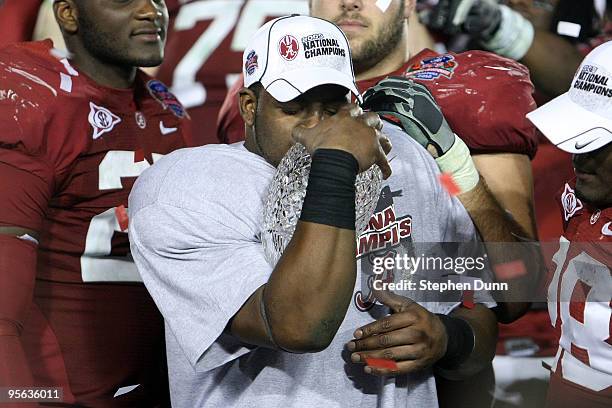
288 47
251 63
101 120
160 92
571 204
433 68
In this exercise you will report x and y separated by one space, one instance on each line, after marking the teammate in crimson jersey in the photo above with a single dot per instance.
76 132
206 39
205 44
580 292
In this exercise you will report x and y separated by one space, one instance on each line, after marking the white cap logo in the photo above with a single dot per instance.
288 47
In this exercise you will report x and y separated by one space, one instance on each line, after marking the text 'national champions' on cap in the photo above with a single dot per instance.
580 120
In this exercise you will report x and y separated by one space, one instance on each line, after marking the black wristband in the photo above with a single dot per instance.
330 195
460 342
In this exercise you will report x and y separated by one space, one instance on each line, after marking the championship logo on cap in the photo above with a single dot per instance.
250 64
288 47
432 68
160 92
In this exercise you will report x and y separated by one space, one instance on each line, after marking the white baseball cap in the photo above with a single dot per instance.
580 120
293 54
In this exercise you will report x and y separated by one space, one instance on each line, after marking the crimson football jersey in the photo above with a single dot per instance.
92 327
204 52
484 99
580 302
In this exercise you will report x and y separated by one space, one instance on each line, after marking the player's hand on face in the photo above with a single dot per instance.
352 131
411 336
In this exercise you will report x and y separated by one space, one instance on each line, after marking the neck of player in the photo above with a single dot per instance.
102 72
390 63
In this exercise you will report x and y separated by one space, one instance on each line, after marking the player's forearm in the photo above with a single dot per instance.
505 249
309 291
488 216
484 327
509 179
310 288
547 53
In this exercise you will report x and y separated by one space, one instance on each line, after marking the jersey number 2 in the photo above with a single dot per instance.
96 263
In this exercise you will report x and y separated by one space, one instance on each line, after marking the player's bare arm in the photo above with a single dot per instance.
548 51
509 178
501 29
496 227
306 297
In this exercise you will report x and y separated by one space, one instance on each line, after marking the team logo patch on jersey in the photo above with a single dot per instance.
571 204
160 92
433 68
288 47
101 119
251 63
141 121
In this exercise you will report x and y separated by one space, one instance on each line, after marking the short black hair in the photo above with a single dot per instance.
257 88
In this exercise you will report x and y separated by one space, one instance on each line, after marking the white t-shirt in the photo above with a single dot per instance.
195 227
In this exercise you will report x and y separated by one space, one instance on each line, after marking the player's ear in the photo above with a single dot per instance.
66 15
409 6
248 105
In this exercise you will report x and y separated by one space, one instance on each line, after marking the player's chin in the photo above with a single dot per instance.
356 42
147 54
148 59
